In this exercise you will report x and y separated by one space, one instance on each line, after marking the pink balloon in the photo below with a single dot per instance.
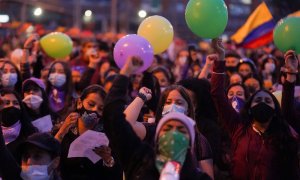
133 45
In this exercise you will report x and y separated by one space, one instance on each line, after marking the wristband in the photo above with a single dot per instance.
142 96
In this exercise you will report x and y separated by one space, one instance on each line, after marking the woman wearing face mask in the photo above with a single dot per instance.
88 116
262 143
140 161
237 95
11 76
37 104
173 99
59 89
16 126
269 72
40 159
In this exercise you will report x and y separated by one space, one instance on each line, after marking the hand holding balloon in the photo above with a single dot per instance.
131 66
133 45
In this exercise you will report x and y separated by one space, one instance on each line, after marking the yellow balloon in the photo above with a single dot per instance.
158 31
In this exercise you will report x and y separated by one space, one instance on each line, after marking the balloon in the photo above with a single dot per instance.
287 35
158 31
206 18
133 45
56 44
278 95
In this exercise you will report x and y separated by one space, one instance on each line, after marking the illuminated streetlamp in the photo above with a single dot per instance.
38 11
142 13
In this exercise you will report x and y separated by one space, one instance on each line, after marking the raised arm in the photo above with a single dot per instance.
30 44
122 137
227 115
206 69
133 110
9 169
287 103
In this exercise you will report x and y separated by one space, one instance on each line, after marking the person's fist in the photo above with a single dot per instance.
291 62
219 48
210 59
147 92
132 64
31 40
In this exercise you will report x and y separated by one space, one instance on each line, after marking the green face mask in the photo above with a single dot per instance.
172 146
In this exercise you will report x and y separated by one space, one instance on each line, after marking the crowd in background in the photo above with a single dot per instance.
219 110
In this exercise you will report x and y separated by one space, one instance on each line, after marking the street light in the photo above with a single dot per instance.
88 13
38 11
142 13
4 18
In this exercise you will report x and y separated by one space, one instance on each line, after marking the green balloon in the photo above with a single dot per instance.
206 18
56 44
287 34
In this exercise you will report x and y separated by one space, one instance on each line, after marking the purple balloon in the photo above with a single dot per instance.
133 45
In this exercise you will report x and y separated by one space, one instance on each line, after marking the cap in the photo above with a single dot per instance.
36 81
43 141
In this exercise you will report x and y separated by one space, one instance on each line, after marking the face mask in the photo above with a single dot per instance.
89 118
173 108
11 133
57 80
9 116
270 67
237 103
182 60
162 89
231 69
261 112
33 101
9 79
172 146
35 172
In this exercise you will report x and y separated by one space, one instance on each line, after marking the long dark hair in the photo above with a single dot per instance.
68 87
18 85
279 130
93 89
27 128
163 99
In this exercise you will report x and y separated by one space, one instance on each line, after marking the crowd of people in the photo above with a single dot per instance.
223 112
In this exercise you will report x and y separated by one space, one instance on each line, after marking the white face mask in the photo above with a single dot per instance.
9 79
35 172
57 80
182 60
270 67
33 101
173 108
11 133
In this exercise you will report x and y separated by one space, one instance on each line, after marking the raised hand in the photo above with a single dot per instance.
132 64
147 92
31 41
219 48
291 62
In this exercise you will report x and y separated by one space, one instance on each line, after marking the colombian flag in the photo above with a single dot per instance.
258 29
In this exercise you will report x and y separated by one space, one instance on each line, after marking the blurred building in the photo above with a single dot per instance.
122 15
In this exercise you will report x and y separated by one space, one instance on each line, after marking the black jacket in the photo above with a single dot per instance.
137 158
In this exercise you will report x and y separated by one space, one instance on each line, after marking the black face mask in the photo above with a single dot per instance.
89 118
262 113
231 69
9 116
